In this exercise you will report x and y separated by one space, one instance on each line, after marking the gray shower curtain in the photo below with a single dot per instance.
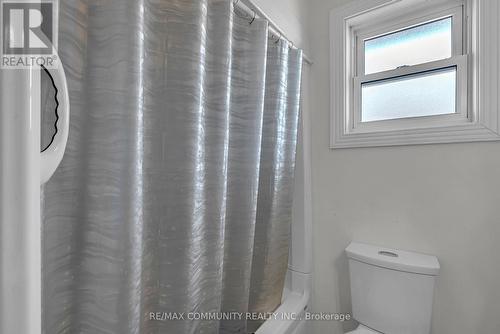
175 193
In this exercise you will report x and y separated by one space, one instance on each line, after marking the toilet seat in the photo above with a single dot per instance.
363 330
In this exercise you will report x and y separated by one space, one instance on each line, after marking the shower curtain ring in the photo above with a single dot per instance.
279 38
254 17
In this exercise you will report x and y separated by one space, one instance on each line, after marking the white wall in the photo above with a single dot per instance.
438 199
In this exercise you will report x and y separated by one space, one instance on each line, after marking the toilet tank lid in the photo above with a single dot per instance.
389 258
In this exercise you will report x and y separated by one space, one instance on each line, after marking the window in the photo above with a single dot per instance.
412 69
414 95
420 44
407 73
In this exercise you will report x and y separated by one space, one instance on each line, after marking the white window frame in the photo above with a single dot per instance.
476 118
458 60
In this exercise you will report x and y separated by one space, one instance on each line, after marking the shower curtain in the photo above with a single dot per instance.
174 197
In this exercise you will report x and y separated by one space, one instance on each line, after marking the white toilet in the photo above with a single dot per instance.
391 290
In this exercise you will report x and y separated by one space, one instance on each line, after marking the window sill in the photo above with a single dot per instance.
470 132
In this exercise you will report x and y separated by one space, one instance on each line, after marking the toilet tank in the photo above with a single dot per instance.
392 290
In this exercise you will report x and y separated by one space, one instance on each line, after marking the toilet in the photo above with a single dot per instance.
391 290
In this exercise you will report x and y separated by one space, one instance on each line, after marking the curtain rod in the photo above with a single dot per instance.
254 11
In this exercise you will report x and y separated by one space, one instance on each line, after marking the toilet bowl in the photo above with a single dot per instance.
391 290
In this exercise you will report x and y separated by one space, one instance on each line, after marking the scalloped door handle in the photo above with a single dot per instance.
51 157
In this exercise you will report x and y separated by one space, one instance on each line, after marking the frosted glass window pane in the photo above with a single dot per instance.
417 45
432 93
